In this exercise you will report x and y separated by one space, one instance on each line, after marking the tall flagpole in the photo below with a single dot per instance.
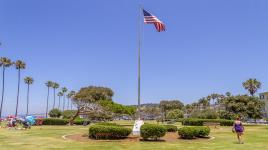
139 61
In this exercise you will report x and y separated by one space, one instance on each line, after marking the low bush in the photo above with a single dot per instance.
152 131
81 121
187 132
192 132
226 122
200 122
54 121
108 132
171 128
107 124
202 131
193 122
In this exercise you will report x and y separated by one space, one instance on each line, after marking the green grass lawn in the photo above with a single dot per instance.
50 137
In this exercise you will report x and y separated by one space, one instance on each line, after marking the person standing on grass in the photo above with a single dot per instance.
239 129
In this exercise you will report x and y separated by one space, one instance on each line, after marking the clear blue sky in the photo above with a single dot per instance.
209 46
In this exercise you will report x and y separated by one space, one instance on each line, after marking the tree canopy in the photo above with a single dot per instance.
93 93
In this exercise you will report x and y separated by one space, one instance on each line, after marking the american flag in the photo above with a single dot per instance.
151 19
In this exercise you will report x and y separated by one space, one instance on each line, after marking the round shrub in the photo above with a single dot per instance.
192 132
202 131
54 113
171 128
152 131
187 132
108 132
54 121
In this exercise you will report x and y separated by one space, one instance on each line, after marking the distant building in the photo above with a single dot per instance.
264 97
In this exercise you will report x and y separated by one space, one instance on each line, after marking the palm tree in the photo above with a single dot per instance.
55 86
49 85
4 63
64 90
69 96
20 65
28 81
213 97
204 102
72 95
60 94
252 85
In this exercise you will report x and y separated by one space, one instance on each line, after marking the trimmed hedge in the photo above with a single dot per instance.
193 122
108 132
200 122
152 131
54 121
107 124
81 122
192 132
171 128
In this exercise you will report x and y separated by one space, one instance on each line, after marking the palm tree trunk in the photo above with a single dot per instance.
213 104
59 103
18 93
47 100
54 98
3 91
68 103
63 102
71 105
28 89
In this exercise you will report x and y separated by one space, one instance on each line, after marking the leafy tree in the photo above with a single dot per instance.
20 65
195 105
4 63
252 85
55 113
68 114
189 108
28 81
204 114
49 84
64 90
116 109
54 86
244 106
94 93
86 100
151 111
170 105
204 102
175 114
228 94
